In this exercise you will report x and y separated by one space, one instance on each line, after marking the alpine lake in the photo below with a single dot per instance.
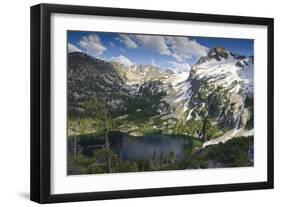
143 147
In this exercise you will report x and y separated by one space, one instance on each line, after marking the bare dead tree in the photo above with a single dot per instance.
107 129
107 144
75 146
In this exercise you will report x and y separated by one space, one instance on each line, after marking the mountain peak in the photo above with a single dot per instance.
218 53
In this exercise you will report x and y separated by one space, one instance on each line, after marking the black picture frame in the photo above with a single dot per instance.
41 99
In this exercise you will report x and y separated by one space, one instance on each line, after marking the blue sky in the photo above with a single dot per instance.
163 51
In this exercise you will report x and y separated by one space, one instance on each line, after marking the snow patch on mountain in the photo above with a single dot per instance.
228 70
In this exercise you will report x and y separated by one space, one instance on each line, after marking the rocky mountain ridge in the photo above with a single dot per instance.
216 94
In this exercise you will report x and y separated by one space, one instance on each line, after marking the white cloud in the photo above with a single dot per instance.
153 42
122 49
179 67
122 59
180 48
154 63
127 41
112 44
72 48
183 48
92 45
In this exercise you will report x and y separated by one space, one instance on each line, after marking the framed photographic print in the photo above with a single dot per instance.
132 103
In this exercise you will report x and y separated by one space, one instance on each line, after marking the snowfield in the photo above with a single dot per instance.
227 72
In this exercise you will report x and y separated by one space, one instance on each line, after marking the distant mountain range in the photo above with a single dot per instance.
219 87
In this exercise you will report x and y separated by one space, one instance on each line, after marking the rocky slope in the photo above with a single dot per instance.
122 89
88 77
214 97
222 88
